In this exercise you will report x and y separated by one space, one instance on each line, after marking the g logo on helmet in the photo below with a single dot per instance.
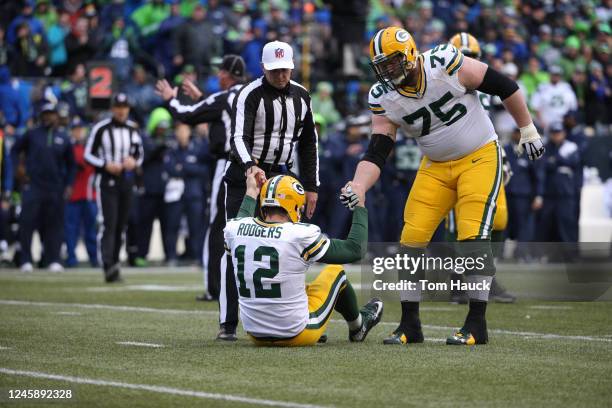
402 36
298 187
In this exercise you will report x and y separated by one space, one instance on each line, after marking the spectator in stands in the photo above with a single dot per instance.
26 16
251 53
5 48
149 16
598 97
120 46
142 91
74 91
323 104
81 209
557 221
197 43
524 192
163 52
81 43
533 77
50 168
151 198
56 36
185 165
9 100
45 13
30 52
552 101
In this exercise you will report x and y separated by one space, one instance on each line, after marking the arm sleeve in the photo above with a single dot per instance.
354 246
92 148
207 110
244 111
308 153
248 207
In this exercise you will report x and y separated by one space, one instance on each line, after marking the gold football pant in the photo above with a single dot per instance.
322 294
500 222
471 185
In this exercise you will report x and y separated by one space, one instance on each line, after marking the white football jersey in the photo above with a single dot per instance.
553 101
447 120
270 264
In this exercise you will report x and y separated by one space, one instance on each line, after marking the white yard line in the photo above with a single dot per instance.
108 307
5 348
68 313
158 389
138 344
550 307
214 313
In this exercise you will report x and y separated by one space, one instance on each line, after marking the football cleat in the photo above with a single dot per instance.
400 337
462 337
371 314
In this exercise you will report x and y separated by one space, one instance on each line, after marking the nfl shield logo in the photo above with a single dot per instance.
279 53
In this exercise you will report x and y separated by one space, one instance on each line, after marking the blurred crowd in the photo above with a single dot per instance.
558 51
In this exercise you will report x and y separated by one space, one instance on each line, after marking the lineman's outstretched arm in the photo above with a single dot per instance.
369 168
474 74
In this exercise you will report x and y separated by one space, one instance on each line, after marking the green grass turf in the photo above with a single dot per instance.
513 370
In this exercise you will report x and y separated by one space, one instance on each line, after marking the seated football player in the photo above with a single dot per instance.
271 255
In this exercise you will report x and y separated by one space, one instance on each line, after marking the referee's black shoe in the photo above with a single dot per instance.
206 297
112 274
227 333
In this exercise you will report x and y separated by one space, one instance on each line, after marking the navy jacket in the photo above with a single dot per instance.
562 165
528 176
49 160
153 166
189 164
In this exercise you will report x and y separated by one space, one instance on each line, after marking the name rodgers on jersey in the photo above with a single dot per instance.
259 231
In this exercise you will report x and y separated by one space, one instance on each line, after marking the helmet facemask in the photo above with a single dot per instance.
394 70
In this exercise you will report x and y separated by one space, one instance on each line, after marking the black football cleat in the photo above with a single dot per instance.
401 336
371 314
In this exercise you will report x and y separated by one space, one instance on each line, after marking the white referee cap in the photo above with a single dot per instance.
277 55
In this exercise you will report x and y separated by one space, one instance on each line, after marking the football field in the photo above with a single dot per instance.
147 343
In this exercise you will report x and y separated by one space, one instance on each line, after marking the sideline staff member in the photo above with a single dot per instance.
270 116
114 148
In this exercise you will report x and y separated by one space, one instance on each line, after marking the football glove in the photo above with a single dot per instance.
348 198
531 142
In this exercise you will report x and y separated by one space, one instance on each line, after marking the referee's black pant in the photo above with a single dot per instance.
114 200
233 190
213 240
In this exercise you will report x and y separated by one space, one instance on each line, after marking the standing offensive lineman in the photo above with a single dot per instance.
432 98
216 110
270 116
114 148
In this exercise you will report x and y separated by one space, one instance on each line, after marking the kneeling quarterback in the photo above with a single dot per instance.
271 256
433 98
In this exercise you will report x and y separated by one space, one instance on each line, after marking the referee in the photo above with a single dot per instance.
216 109
272 122
114 148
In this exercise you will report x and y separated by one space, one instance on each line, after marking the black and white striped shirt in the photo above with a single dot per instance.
216 109
112 141
267 123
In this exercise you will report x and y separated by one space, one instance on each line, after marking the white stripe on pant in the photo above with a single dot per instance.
216 184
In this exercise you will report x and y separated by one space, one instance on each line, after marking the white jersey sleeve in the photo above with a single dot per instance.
313 243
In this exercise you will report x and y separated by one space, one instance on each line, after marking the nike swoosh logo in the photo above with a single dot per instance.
475 160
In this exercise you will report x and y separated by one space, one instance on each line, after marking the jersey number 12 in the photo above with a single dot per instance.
260 292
